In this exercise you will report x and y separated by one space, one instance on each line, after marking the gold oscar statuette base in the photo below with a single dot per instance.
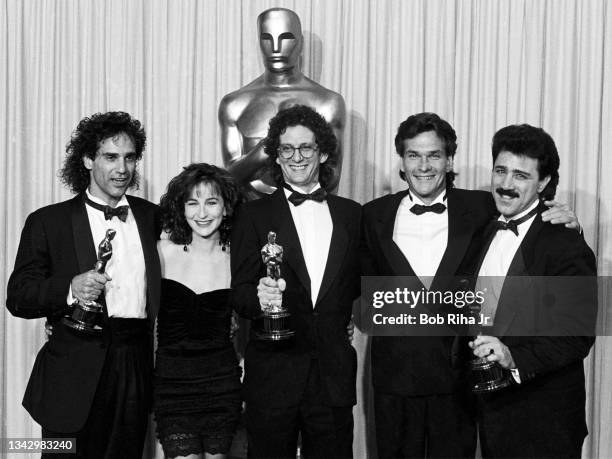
487 376
85 318
274 326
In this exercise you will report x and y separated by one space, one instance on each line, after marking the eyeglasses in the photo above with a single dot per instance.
287 151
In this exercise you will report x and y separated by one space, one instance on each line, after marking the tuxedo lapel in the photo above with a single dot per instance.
288 238
488 235
460 233
82 236
384 228
337 246
517 279
524 255
84 245
149 251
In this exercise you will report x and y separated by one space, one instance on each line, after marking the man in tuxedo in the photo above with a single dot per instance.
422 407
306 385
95 387
542 327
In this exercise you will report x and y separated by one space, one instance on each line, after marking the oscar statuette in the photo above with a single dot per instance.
274 323
87 316
485 376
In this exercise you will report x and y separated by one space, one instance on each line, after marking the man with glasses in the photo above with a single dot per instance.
244 114
306 385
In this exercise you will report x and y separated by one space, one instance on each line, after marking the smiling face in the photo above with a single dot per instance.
204 211
280 39
425 165
515 183
297 170
112 169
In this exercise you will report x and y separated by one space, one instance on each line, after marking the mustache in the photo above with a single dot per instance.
509 193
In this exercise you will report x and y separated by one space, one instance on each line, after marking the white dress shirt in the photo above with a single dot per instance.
496 264
314 227
497 261
125 294
421 238
504 246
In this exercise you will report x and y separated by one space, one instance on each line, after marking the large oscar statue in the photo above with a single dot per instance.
274 324
244 114
87 316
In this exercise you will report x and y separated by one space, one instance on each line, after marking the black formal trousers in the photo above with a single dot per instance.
325 431
435 426
117 422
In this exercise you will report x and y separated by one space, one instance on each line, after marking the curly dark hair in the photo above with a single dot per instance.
533 142
85 141
302 115
425 122
179 189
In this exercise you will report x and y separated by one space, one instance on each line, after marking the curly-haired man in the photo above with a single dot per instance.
92 380
305 386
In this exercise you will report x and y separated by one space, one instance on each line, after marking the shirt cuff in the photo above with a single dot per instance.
516 375
70 299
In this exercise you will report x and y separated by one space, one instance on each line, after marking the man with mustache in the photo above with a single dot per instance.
420 402
93 384
245 113
542 329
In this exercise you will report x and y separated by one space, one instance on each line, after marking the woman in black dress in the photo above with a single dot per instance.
197 377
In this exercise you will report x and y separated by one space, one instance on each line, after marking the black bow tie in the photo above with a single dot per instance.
296 198
120 212
437 208
512 225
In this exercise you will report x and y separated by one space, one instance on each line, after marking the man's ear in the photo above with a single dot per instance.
449 164
542 183
323 157
87 162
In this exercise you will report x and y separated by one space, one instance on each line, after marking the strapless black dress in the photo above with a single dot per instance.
197 377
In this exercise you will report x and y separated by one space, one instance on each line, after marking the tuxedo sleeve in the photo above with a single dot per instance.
36 288
246 265
576 307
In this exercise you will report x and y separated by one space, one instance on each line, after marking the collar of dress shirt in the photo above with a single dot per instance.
517 216
122 202
300 190
410 200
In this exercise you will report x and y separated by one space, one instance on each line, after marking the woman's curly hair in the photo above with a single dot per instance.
179 190
302 115
85 141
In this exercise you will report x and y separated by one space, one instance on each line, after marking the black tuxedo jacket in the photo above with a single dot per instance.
419 365
550 401
56 245
276 375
